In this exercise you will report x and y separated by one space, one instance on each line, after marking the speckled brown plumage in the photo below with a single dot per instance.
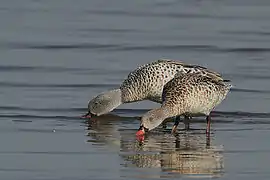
194 93
147 81
144 83
187 94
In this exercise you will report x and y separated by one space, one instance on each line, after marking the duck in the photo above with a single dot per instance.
146 82
189 94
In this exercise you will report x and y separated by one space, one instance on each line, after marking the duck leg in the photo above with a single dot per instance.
177 120
186 122
207 141
208 121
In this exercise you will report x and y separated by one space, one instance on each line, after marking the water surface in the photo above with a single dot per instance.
56 55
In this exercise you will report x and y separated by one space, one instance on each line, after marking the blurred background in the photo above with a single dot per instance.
57 55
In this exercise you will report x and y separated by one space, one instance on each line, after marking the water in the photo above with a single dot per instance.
56 55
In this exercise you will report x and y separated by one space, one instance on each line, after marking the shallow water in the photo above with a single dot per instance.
56 55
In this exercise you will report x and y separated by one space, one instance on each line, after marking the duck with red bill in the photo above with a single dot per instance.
140 131
140 134
188 95
87 116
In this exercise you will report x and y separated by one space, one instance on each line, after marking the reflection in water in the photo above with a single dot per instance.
105 129
188 153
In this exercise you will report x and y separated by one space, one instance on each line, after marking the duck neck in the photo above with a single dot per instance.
169 111
116 96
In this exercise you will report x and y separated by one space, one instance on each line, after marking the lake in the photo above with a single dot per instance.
57 55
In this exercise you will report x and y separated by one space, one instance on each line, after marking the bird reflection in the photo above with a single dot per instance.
187 153
104 129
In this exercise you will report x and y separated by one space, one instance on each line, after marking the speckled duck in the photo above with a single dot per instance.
188 95
144 83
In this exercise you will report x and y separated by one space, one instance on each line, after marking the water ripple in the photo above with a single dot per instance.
25 116
171 15
49 152
112 30
219 116
27 85
8 68
130 47
126 111
17 108
250 90
261 33
59 46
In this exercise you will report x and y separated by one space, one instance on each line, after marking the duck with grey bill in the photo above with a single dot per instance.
144 83
188 95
